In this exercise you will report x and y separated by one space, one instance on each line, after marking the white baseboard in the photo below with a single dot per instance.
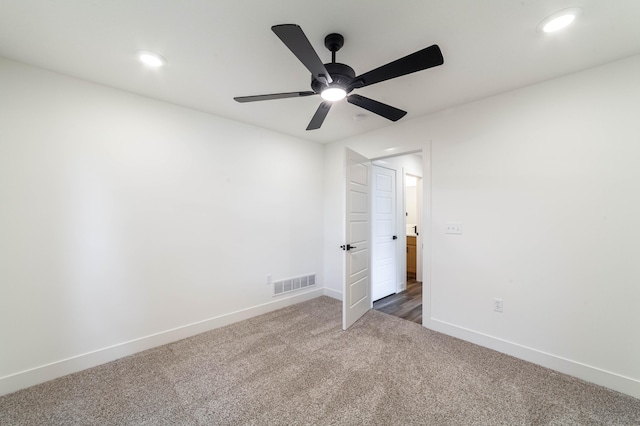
43 373
334 294
608 379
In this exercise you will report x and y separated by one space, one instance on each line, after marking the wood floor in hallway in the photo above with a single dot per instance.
406 304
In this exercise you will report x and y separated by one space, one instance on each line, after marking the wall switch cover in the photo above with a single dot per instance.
453 228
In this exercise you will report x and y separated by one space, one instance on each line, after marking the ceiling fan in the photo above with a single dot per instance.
334 81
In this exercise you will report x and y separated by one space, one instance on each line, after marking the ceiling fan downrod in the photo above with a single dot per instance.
333 42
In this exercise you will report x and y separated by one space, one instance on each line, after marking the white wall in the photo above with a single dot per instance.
546 183
123 217
411 206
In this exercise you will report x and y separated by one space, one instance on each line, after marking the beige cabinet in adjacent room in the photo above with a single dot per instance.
411 256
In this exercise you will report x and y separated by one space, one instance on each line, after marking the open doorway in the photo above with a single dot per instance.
405 300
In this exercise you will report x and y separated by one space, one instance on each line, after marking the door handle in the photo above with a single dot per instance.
349 247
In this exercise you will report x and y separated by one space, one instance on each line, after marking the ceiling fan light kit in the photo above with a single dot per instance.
335 81
333 94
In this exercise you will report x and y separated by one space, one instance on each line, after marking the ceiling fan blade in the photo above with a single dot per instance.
384 110
319 116
273 96
293 37
418 61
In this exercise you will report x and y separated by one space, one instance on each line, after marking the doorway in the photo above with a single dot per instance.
405 301
361 236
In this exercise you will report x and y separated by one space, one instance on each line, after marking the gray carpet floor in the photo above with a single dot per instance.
296 366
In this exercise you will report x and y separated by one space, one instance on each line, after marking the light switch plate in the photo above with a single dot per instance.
453 228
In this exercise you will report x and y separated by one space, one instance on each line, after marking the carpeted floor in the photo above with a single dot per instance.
296 366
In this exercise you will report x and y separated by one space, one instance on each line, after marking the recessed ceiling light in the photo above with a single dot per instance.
333 94
151 59
559 20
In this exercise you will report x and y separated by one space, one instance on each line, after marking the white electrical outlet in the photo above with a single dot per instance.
497 305
268 279
453 228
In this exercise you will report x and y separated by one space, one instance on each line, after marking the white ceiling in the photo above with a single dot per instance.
220 49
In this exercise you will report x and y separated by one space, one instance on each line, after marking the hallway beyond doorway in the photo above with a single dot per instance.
406 304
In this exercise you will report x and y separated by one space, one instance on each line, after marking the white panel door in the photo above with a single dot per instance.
356 300
383 229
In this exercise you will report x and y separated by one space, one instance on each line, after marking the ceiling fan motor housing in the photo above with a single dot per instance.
341 74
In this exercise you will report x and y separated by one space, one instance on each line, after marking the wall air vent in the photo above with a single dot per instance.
293 284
